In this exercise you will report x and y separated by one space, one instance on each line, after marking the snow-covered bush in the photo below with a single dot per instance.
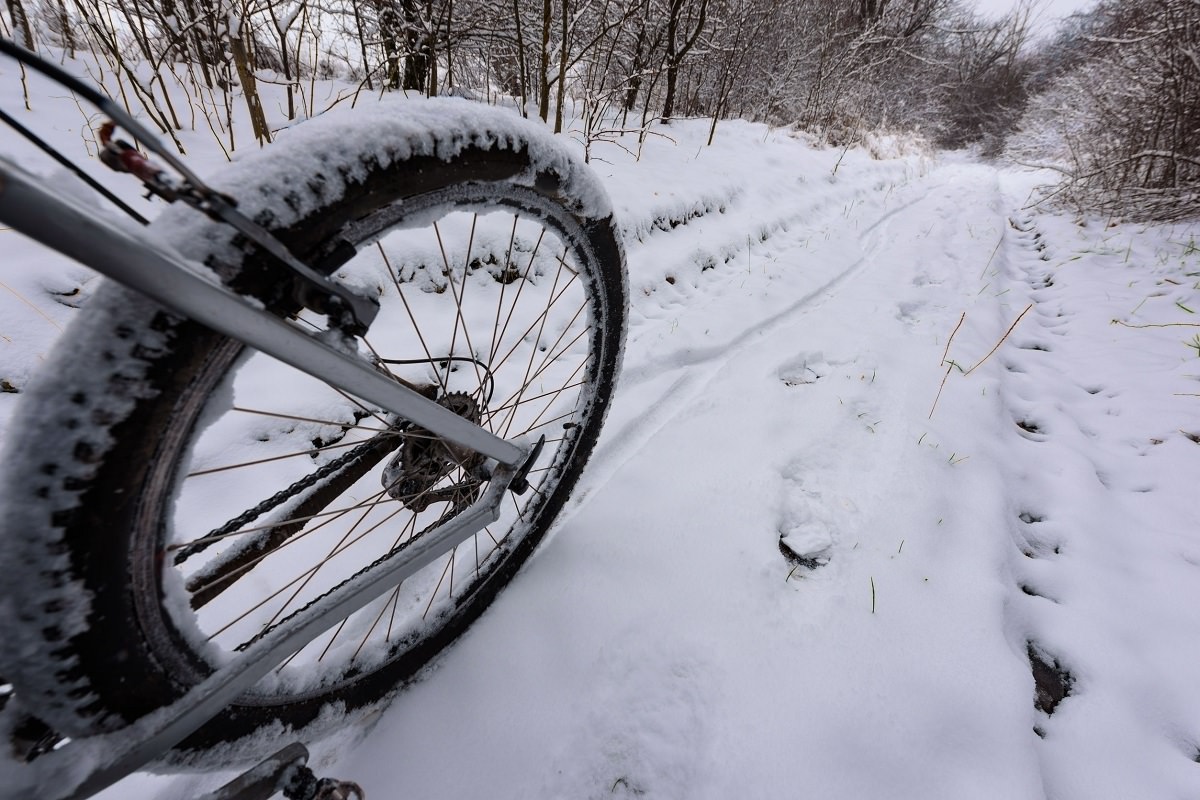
1123 122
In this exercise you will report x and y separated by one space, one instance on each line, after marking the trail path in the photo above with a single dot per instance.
886 506
784 577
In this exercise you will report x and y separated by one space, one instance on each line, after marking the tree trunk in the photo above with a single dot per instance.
676 53
202 44
22 31
64 24
285 59
635 69
362 44
416 61
241 60
672 60
563 54
429 41
389 30
543 74
523 69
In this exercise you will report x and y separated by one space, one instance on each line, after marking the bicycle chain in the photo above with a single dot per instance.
277 499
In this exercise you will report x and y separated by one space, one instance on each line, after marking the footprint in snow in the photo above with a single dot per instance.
1032 539
805 368
643 722
908 311
1031 429
807 523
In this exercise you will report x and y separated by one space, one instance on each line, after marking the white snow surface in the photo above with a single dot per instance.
956 502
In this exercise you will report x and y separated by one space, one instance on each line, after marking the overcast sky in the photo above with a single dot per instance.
1050 9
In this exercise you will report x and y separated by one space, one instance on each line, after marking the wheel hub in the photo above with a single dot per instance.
418 475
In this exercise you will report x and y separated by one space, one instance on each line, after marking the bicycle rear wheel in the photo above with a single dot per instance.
179 496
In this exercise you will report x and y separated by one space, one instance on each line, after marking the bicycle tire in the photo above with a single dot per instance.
109 444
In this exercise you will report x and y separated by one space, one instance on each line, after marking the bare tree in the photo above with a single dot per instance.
239 49
685 23
283 19
1123 124
984 86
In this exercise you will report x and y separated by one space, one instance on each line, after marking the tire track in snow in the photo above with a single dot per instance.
836 468
738 228
661 393
693 356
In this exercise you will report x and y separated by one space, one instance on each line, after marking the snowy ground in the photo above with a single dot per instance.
841 515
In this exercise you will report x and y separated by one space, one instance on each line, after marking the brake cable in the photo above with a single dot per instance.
49 150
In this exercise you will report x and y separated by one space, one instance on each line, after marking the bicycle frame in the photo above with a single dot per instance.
152 269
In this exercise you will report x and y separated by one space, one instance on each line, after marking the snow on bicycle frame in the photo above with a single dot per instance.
157 271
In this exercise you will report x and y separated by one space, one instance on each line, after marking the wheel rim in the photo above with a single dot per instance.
492 314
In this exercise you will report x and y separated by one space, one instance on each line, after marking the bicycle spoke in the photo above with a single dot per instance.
540 320
496 334
412 318
221 574
527 348
268 526
332 639
520 287
378 617
536 342
303 578
298 418
409 529
241 569
441 580
313 451
341 546
553 393
359 403
516 400
461 293
559 418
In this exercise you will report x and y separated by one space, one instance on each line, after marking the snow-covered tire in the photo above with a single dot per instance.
135 404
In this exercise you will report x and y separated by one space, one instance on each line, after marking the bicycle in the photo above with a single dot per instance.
435 304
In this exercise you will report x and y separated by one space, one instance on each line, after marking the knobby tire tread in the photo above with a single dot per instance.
80 667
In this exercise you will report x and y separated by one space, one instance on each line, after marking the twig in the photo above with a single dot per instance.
1159 324
1002 338
946 352
939 394
993 255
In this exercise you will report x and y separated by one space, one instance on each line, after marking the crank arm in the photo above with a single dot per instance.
162 275
149 737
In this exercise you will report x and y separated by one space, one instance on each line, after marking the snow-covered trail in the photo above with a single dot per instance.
841 514
662 645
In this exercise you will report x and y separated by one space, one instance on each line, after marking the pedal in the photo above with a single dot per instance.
286 772
31 738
